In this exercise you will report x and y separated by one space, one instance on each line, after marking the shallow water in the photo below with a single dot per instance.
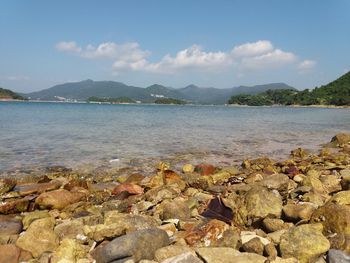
72 135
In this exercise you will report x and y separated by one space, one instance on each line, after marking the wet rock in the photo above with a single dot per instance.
335 218
340 140
254 246
137 245
135 178
261 203
275 224
6 185
15 206
176 209
39 237
227 255
337 256
206 234
102 187
28 189
73 183
183 258
188 168
32 216
130 189
204 169
305 242
164 253
69 251
58 199
297 212
10 226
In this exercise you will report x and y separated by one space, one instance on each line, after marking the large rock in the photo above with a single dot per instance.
204 169
337 256
274 224
305 242
227 255
175 209
340 139
261 203
183 258
164 253
278 182
335 218
15 206
341 198
9 253
39 237
131 222
58 199
137 245
27 189
69 229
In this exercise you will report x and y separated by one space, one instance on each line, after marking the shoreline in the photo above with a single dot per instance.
281 211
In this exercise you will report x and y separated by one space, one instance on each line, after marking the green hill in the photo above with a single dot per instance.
9 94
335 93
169 101
111 100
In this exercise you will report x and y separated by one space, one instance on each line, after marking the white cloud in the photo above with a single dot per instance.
131 57
68 46
253 49
306 65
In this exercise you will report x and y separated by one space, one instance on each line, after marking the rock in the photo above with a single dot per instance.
188 168
261 203
161 193
15 206
117 224
341 198
130 189
204 169
254 246
230 238
10 226
206 234
69 251
73 183
175 209
28 189
331 183
58 199
135 178
299 153
275 237
335 218
227 255
337 256
69 229
341 139
246 236
183 258
164 253
297 212
39 237
274 224
6 185
9 253
137 245
305 242
314 182
270 251
278 182
32 216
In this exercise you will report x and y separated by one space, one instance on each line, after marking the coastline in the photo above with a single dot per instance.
259 210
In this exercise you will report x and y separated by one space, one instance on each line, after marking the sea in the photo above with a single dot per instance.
88 136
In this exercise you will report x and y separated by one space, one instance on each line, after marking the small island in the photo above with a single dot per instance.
336 93
169 101
119 100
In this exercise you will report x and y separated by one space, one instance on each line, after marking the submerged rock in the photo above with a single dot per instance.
137 245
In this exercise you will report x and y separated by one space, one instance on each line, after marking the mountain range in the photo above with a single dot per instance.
82 90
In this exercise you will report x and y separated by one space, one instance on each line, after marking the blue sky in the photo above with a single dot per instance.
174 43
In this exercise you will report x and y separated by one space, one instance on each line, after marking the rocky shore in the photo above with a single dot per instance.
297 210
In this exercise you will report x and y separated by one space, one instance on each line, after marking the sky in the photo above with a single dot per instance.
222 43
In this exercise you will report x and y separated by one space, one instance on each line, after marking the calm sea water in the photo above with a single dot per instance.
44 134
